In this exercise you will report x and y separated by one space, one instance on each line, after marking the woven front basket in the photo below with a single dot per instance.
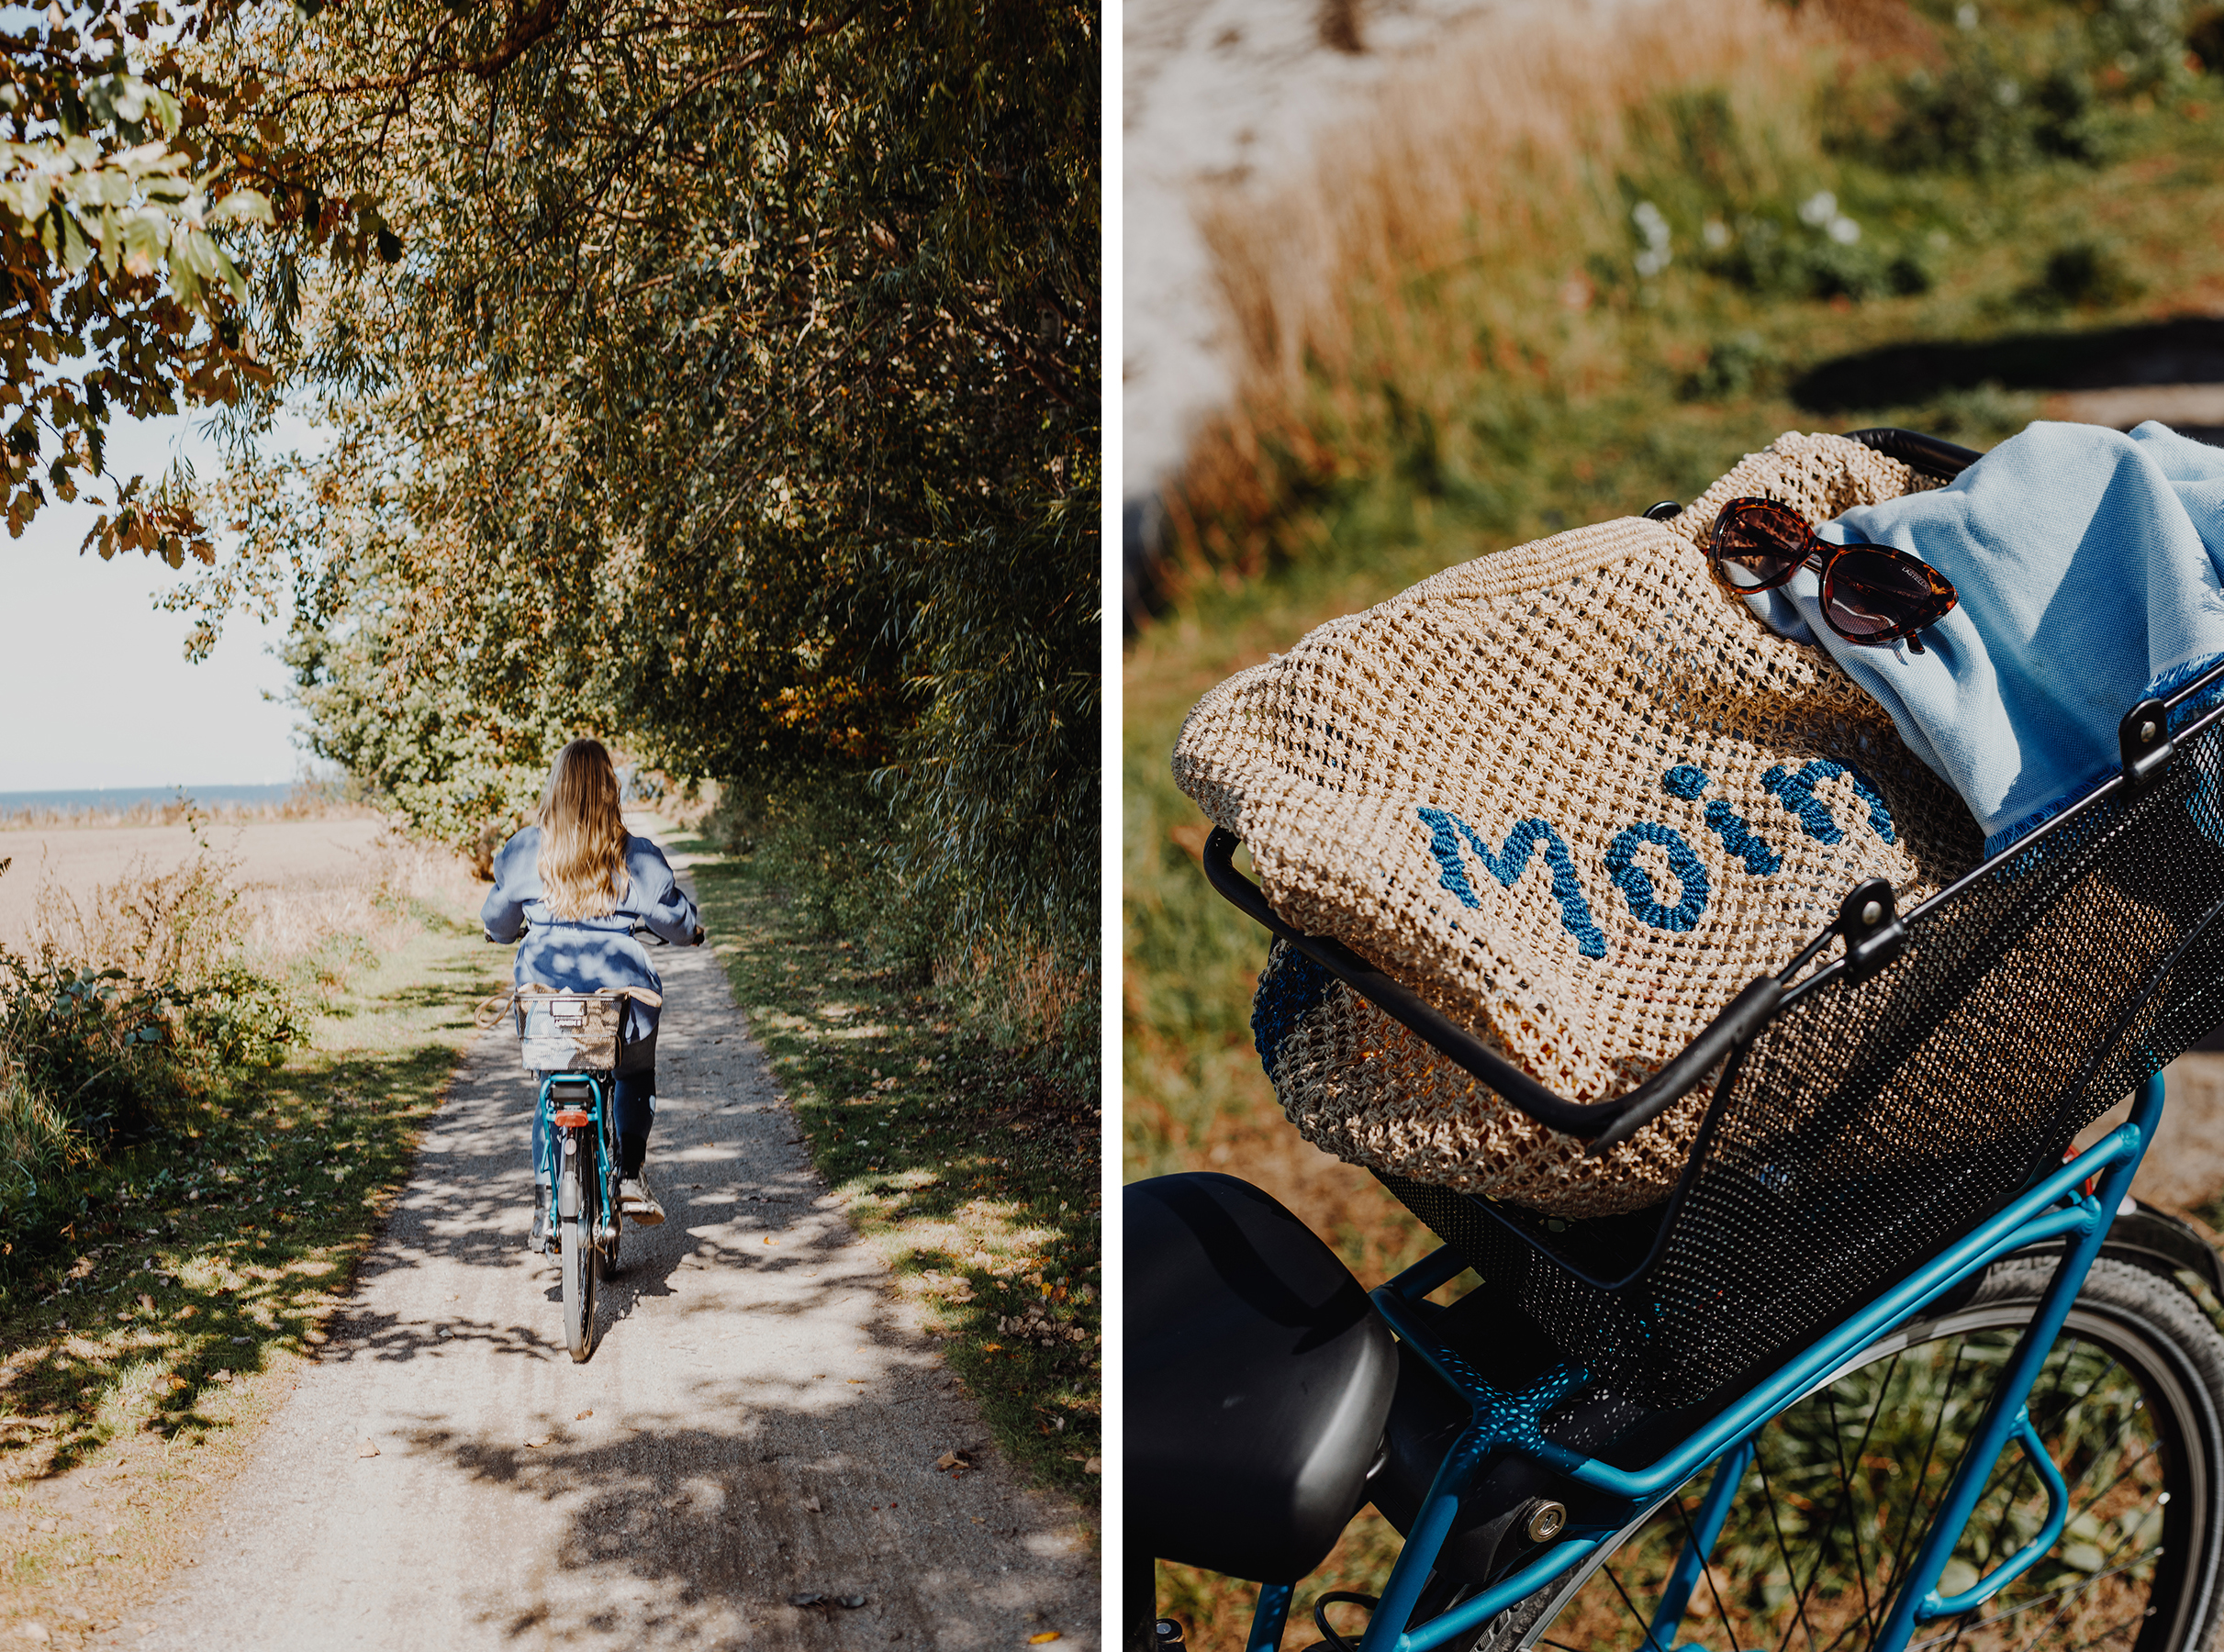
1576 797
561 1032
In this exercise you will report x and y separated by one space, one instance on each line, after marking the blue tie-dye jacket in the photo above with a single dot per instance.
583 954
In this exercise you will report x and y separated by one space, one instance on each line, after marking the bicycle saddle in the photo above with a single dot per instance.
1258 1378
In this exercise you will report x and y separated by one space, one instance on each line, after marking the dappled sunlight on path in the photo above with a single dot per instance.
761 1420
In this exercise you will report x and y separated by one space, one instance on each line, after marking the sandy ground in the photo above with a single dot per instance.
288 852
762 1419
1225 95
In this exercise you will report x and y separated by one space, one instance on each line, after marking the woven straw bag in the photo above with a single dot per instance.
562 1031
1576 797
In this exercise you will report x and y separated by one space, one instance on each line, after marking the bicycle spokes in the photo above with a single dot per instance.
1804 1545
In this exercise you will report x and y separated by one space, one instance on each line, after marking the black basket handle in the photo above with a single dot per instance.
1944 460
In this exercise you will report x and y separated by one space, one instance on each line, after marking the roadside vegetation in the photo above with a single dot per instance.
722 383
1566 273
962 1142
192 1202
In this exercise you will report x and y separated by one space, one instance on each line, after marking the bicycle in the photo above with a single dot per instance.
576 1043
1773 1410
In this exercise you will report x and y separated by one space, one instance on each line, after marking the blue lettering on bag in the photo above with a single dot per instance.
1637 885
1291 985
1796 793
1444 831
1724 823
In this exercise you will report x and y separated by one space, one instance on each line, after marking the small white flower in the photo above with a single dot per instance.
1819 208
1845 231
1652 223
1717 233
2008 93
1965 17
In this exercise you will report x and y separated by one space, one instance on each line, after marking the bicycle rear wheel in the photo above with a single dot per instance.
2130 1403
581 1262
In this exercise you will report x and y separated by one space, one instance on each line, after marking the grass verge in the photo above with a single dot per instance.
140 1355
973 1172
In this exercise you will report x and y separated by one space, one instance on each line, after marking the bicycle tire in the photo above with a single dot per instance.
580 1265
2129 1331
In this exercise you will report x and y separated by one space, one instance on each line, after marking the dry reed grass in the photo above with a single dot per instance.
1447 235
185 922
1023 995
1501 152
303 804
376 900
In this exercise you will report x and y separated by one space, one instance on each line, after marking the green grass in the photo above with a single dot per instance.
1476 411
973 1171
168 1313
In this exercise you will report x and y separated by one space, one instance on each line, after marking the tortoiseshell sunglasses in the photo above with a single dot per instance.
1871 595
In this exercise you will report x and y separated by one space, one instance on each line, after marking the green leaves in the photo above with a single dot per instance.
240 206
128 102
118 260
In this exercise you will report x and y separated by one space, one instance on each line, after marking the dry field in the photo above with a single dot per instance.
293 871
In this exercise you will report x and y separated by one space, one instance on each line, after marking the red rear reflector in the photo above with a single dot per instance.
571 1121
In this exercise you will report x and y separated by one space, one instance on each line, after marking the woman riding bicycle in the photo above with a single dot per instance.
579 886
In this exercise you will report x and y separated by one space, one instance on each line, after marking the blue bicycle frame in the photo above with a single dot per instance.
2060 1207
551 1153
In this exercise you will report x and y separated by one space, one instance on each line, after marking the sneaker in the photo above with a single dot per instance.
635 1200
544 1219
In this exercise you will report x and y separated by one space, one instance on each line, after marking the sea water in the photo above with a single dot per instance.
116 799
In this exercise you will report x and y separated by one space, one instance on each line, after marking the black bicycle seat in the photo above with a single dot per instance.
1258 1376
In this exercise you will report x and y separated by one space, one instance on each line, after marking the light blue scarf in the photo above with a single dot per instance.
2088 565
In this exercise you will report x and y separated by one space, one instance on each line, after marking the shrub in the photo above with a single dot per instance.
837 844
138 1003
2086 274
238 1018
835 841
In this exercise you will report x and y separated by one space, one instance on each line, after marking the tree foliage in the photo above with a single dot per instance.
722 378
118 288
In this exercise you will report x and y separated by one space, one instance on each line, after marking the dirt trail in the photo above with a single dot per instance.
765 1419
1227 96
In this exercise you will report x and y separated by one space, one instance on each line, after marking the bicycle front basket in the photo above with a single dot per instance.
1574 796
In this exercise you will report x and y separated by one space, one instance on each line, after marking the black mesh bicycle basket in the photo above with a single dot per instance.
1874 1101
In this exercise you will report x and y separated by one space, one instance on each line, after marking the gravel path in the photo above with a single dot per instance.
762 1419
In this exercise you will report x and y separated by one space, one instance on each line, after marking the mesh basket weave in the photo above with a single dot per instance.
1872 1125
559 1032
1575 795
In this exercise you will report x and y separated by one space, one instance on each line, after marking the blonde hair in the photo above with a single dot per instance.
582 834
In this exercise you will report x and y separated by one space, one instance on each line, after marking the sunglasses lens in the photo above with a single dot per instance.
1871 595
1758 545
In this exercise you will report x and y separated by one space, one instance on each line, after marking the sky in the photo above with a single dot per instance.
94 676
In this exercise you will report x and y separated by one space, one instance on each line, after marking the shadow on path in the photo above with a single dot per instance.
2189 350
